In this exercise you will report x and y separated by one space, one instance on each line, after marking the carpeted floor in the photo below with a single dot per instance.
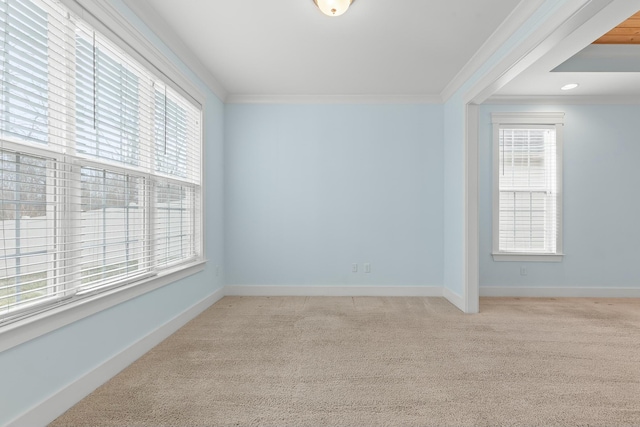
314 361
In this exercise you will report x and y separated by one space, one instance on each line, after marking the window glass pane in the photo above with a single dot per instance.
174 229
113 226
23 70
27 237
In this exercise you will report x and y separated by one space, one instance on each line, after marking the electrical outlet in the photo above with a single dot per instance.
367 267
354 268
523 271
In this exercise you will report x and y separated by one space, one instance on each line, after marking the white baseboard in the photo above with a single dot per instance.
54 406
454 298
558 292
334 291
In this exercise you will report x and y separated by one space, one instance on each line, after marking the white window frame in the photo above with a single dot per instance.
108 20
555 119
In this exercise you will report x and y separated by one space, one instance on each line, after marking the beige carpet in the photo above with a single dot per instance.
297 361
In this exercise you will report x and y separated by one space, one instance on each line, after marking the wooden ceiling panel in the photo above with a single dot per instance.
627 32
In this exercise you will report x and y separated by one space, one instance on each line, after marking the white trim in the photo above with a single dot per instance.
105 18
333 290
558 25
564 100
164 32
48 410
509 25
598 17
203 181
559 292
21 331
529 118
455 299
527 257
333 99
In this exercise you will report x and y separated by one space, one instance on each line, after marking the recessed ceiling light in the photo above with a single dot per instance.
569 86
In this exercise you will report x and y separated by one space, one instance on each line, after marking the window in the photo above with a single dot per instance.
100 181
527 190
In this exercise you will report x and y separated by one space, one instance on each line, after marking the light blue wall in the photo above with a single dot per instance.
601 200
453 207
311 189
36 370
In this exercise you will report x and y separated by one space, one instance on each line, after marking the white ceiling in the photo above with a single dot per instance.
288 47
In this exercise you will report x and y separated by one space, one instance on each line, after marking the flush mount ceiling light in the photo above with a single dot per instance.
569 86
333 7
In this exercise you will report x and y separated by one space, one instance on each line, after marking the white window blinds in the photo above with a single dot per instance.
527 203
100 170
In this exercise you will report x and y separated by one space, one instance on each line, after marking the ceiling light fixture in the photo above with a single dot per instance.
569 86
333 7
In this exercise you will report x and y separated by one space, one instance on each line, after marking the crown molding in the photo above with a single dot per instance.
159 26
565 28
564 100
333 99
534 117
516 18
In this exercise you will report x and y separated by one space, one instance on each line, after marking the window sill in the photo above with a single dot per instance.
527 257
28 328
